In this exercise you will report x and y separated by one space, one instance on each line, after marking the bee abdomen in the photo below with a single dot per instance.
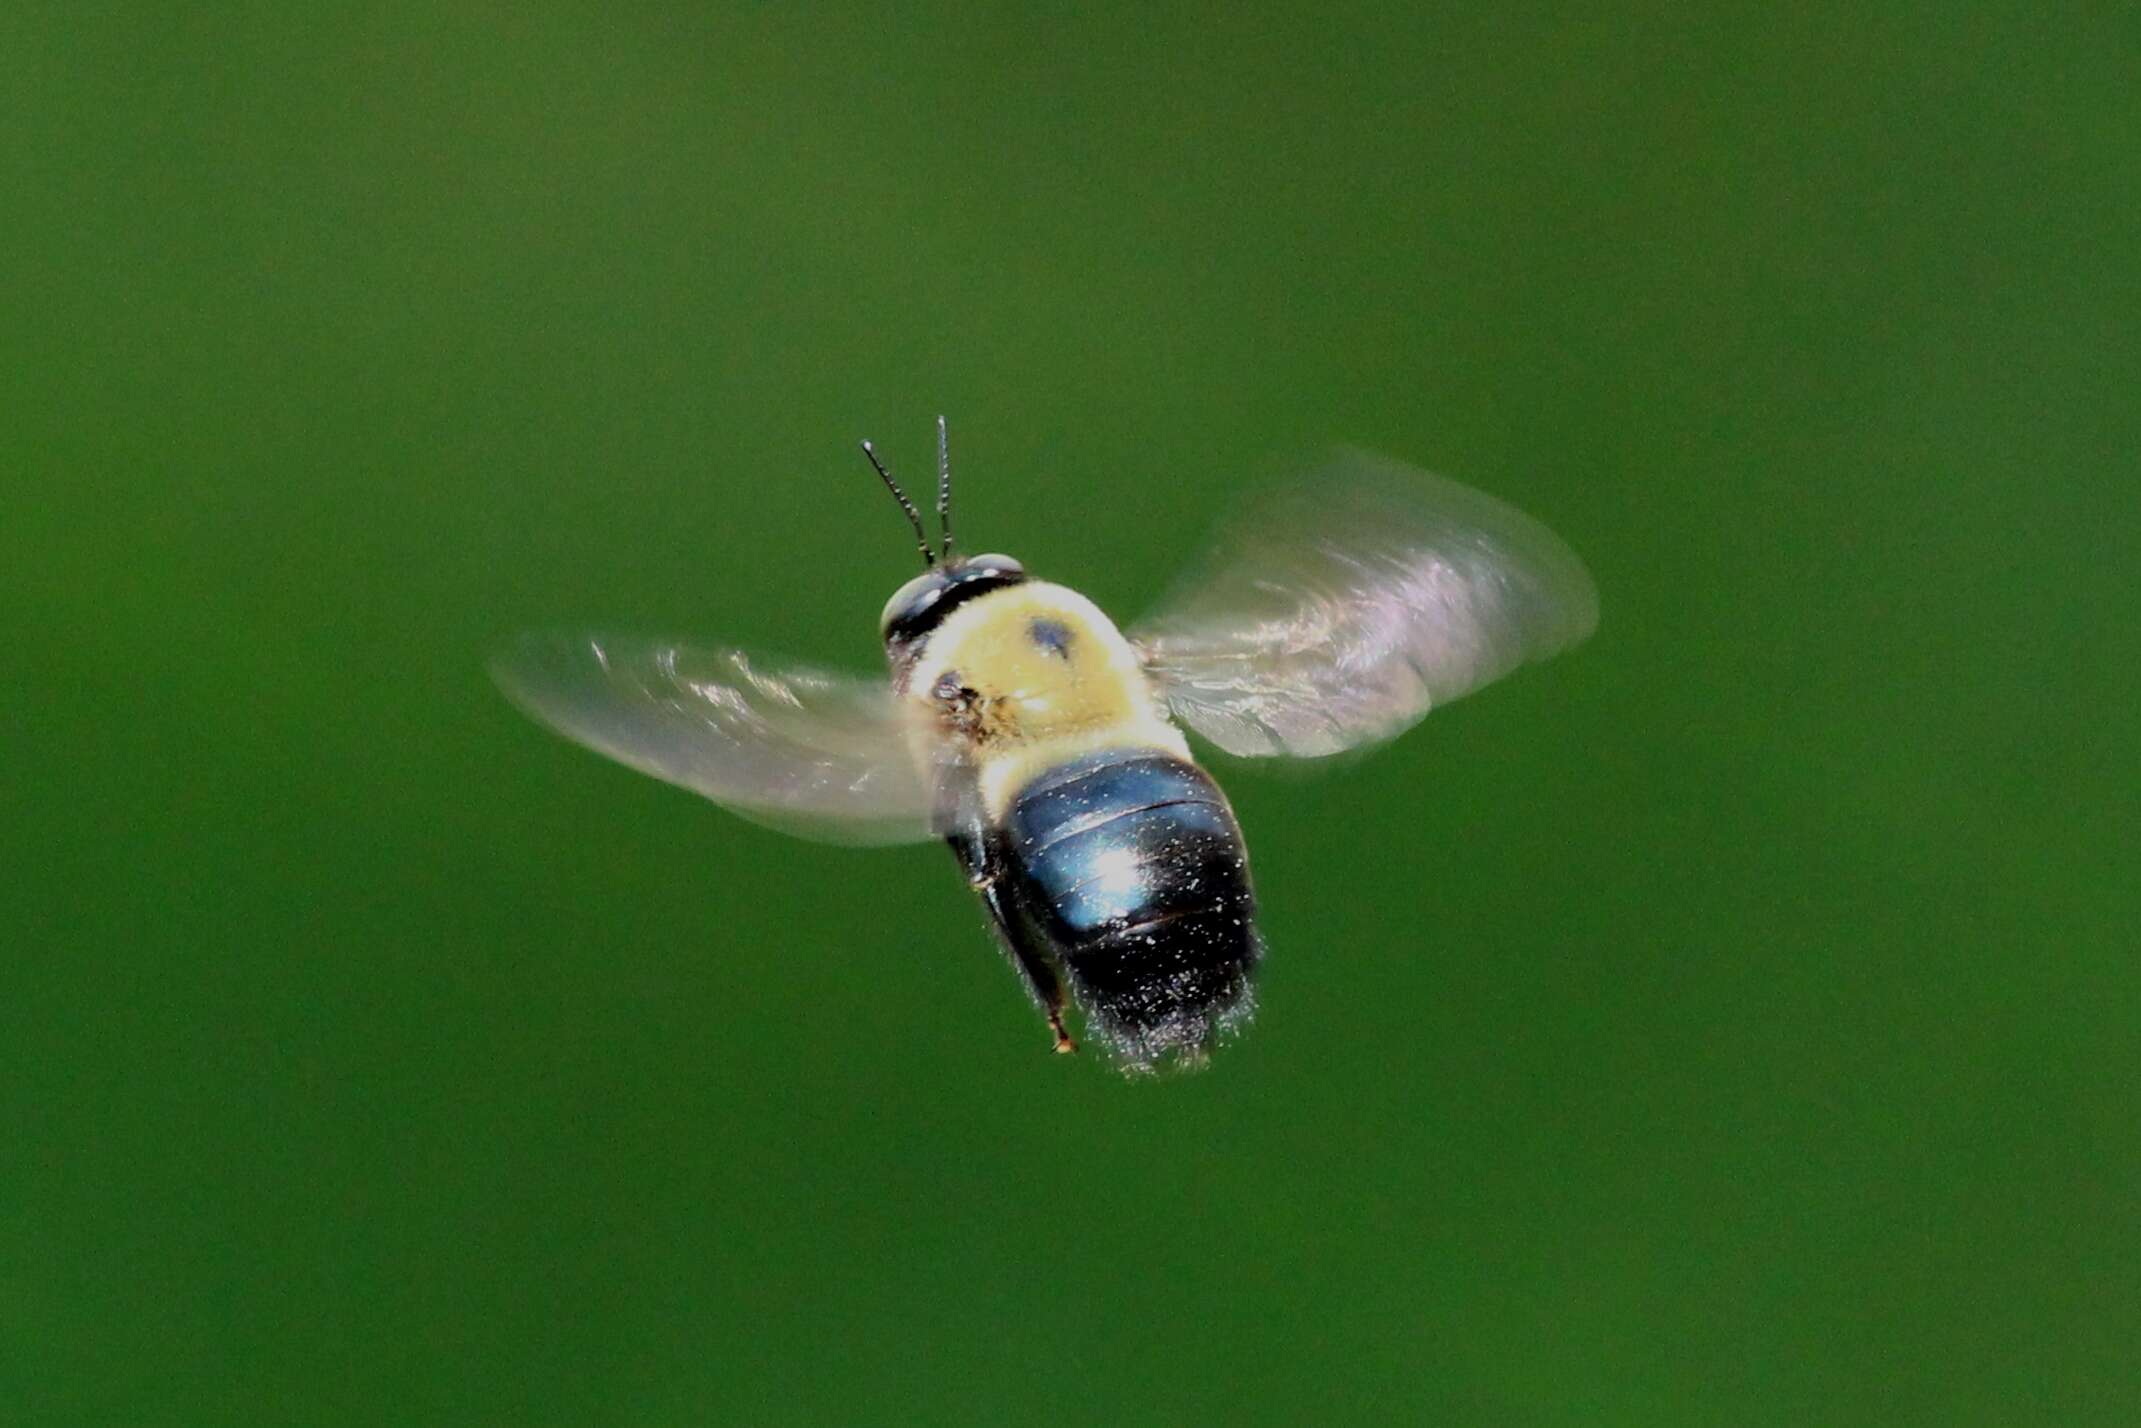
1131 865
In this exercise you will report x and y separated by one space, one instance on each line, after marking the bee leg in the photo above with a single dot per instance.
1024 947
1037 971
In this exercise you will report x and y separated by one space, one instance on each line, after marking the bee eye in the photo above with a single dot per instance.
907 599
916 607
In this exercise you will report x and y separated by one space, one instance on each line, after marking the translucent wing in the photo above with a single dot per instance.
819 755
1338 611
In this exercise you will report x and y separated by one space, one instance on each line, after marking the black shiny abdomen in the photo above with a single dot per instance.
1127 866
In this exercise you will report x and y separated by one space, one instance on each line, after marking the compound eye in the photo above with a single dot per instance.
905 599
997 564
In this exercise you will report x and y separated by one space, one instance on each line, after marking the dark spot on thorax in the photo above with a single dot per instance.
1053 637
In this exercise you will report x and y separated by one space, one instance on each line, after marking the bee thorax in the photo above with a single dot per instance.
1030 675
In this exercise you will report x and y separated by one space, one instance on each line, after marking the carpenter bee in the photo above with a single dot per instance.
1022 728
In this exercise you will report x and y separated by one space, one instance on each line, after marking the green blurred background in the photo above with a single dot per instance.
1736 1022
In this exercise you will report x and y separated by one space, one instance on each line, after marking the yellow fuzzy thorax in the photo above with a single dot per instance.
1051 679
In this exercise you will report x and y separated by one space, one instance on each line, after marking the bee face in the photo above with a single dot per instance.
921 604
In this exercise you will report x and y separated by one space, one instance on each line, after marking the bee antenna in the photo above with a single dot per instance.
944 487
914 517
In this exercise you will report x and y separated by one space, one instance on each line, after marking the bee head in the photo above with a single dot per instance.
946 583
921 604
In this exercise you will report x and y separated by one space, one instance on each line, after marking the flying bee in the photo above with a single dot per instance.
1022 728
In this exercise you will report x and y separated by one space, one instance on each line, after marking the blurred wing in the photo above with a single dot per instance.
819 755
1338 611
